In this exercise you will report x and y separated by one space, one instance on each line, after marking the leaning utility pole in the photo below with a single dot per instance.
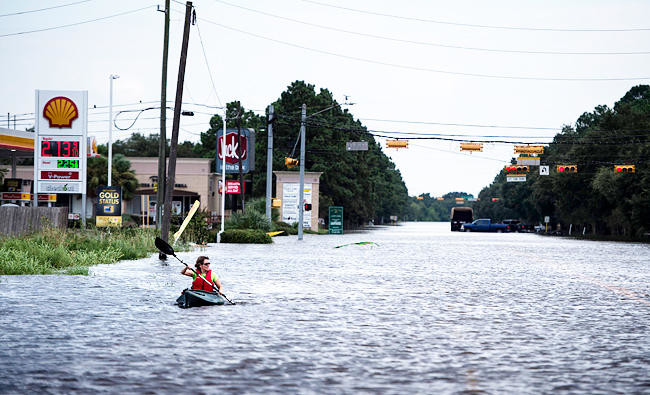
239 154
176 125
162 146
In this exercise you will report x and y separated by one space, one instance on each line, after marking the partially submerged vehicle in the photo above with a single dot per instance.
460 216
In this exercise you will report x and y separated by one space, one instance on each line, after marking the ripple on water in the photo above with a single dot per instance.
424 311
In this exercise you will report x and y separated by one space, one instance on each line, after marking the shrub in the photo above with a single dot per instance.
250 220
288 229
245 236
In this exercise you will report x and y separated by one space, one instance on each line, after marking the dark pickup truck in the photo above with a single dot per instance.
486 225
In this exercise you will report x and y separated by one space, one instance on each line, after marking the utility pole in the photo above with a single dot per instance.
269 162
162 146
239 154
301 193
176 125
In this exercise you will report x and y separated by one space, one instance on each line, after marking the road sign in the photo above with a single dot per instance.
356 146
335 220
547 219
516 178
543 170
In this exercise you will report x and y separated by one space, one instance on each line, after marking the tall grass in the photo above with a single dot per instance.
72 251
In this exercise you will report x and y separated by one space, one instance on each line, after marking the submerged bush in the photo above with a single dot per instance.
245 236
250 220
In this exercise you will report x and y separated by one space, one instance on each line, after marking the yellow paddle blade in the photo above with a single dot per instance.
187 220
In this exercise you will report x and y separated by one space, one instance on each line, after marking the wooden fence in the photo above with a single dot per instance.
23 220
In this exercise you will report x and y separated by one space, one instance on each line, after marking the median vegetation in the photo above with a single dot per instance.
73 251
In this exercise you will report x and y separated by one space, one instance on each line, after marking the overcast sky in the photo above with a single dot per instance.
518 69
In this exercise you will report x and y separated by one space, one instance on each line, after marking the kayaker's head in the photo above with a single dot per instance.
202 264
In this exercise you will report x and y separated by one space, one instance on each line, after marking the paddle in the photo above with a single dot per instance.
165 248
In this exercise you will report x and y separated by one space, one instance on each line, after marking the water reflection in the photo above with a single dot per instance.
426 310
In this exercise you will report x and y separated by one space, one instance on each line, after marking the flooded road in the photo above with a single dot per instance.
423 311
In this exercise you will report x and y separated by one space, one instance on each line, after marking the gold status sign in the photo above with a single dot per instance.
108 211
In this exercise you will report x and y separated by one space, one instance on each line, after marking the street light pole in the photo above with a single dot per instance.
110 129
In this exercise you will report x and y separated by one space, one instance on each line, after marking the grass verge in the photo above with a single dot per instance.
73 251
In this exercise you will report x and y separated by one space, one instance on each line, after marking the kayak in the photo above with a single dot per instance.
197 297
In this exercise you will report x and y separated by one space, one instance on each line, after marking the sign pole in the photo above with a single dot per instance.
223 176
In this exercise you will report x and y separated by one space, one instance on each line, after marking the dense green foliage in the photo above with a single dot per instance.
596 198
72 251
431 209
245 236
366 183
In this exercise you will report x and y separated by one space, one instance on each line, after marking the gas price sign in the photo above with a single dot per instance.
67 164
59 148
61 141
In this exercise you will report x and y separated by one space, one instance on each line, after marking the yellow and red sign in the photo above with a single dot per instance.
60 112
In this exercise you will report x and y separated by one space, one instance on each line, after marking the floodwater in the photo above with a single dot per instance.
424 310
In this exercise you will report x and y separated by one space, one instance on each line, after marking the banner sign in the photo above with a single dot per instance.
232 150
108 211
60 141
23 196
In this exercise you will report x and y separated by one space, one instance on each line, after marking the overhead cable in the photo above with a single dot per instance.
546 29
44 9
426 69
76 23
431 44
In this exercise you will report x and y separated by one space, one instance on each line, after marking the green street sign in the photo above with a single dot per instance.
335 220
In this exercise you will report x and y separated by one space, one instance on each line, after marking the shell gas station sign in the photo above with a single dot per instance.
61 143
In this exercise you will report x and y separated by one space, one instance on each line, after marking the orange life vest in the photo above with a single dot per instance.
199 283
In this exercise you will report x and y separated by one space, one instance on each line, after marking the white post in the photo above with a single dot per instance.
110 129
223 176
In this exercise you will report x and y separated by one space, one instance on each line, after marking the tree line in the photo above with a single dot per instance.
596 198
365 183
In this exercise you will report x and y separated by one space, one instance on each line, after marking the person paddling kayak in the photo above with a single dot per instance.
203 268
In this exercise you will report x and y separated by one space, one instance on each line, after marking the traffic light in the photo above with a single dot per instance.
515 169
307 206
624 168
290 162
155 187
529 149
471 147
276 203
567 168
397 144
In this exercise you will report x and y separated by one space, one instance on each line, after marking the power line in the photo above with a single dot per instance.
461 124
546 29
431 44
208 65
426 69
44 9
76 23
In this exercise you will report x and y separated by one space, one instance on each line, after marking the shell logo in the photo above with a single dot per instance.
60 112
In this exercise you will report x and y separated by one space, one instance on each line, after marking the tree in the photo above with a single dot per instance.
122 175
